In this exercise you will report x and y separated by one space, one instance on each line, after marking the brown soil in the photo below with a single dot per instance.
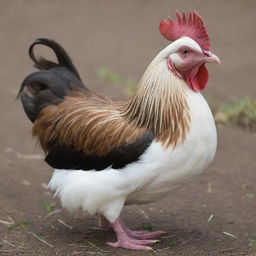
123 36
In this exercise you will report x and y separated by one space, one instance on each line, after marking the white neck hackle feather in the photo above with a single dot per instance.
160 102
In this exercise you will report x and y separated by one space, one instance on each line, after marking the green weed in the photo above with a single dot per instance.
240 112
21 224
48 207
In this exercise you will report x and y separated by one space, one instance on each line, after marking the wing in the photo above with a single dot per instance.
87 131
66 157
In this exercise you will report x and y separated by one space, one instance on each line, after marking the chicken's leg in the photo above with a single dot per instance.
124 240
141 234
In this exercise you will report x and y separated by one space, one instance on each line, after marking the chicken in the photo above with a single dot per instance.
106 153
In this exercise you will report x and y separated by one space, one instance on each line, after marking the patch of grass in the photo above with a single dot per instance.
48 207
252 242
240 112
128 84
23 248
148 227
24 224
21 224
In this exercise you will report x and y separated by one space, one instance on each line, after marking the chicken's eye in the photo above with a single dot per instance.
184 51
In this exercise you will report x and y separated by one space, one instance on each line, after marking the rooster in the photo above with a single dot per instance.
107 153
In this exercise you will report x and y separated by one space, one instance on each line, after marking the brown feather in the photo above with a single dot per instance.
89 122
97 124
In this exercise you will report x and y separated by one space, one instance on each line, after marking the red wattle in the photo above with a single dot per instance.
197 78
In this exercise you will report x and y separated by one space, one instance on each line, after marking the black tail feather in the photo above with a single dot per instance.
62 56
49 86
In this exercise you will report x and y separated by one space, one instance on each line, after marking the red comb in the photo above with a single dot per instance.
192 27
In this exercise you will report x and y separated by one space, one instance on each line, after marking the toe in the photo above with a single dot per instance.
148 235
129 245
143 242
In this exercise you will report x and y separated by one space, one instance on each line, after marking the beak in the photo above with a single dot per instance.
211 58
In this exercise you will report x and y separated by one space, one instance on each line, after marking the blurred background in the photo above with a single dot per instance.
112 43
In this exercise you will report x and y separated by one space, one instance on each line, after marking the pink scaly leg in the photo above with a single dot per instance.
138 234
141 234
127 242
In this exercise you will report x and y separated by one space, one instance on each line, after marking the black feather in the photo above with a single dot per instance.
63 58
66 157
49 86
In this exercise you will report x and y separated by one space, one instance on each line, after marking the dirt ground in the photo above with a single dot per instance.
214 215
